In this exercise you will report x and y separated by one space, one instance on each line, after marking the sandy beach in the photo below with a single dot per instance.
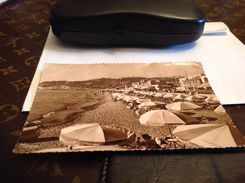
113 113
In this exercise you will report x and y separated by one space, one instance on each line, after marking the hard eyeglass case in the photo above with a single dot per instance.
140 23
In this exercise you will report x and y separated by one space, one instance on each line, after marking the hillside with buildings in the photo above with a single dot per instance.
107 83
177 83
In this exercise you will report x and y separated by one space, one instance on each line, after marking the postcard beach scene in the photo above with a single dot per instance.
123 107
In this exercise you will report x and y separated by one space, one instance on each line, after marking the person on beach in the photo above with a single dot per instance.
131 140
161 142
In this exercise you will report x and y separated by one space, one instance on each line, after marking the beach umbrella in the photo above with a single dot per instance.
198 97
180 96
159 102
210 135
204 85
168 95
126 97
183 95
131 99
115 95
188 98
151 104
142 93
212 99
91 133
146 104
182 106
143 100
160 118
195 97
151 94
220 109
158 95
186 118
121 96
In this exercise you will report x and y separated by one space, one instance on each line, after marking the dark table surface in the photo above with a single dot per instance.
24 26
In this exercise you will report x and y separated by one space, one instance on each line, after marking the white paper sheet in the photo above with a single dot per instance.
221 53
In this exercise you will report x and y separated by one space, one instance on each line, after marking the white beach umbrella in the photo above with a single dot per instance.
143 100
210 135
147 104
168 95
115 95
212 99
121 96
158 95
195 97
182 106
220 109
160 118
131 99
180 96
204 85
188 98
126 97
91 133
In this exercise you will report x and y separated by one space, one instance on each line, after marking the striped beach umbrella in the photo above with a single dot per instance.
210 135
182 106
160 118
91 133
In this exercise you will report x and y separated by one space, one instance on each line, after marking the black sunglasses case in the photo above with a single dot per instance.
140 23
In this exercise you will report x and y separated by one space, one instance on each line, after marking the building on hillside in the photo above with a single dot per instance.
161 84
141 85
135 85
205 88
192 83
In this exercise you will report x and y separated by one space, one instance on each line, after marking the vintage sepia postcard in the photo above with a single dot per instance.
123 107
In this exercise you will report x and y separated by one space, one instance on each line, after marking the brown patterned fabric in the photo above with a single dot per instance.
231 12
24 26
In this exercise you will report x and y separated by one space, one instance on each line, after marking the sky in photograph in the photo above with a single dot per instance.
81 72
